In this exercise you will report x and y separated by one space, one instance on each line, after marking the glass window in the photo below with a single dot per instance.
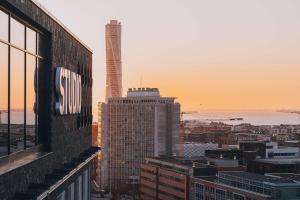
17 100
22 95
85 185
30 100
31 40
4 26
17 33
62 196
78 190
70 192
3 99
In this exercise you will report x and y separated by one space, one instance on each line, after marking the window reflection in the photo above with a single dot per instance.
3 99
17 31
19 120
30 100
16 100
4 26
31 40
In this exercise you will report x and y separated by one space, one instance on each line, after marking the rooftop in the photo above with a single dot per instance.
295 177
259 178
281 161
141 92
185 162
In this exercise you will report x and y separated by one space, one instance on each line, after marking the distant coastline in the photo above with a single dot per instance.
289 111
252 117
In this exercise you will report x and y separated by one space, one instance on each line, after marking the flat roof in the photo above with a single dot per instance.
182 161
279 160
142 97
47 12
292 176
259 177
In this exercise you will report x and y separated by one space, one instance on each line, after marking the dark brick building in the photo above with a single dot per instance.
168 178
45 131
283 165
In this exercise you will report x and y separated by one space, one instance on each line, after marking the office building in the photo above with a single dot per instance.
170 177
274 186
265 149
275 151
113 59
141 125
274 165
202 188
246 186
45 102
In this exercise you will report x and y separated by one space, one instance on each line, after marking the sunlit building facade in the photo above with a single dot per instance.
141 125
113 59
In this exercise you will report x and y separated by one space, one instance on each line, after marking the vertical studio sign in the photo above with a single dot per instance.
68 90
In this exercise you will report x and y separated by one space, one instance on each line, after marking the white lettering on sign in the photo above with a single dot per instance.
68 90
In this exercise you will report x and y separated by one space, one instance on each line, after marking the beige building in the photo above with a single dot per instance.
113 59
141 125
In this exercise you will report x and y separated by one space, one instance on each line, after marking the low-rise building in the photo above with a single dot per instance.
203 188
274 187
275 151
265 149
275 165
246 186
169 177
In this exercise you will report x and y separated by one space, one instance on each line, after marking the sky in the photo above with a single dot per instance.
212 55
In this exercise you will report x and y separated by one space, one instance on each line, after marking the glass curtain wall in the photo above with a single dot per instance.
19 58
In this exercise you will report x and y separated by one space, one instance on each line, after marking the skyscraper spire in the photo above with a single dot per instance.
113 59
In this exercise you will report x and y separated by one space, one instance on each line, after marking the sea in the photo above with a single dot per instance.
228 117
239 117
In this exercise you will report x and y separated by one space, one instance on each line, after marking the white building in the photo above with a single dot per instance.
275 151
141 125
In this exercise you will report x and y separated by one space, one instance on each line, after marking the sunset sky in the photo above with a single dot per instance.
223 54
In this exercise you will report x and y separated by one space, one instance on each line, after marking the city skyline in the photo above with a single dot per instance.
211 109
227 57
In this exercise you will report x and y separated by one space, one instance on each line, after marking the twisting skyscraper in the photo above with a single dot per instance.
113 59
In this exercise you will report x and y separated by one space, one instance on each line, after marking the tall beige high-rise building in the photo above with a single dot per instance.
113 59
141 125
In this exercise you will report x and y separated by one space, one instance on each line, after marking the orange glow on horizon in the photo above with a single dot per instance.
222 54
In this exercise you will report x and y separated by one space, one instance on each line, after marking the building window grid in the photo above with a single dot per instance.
220 194
26 51
172 187
171 178
247 184
197 192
